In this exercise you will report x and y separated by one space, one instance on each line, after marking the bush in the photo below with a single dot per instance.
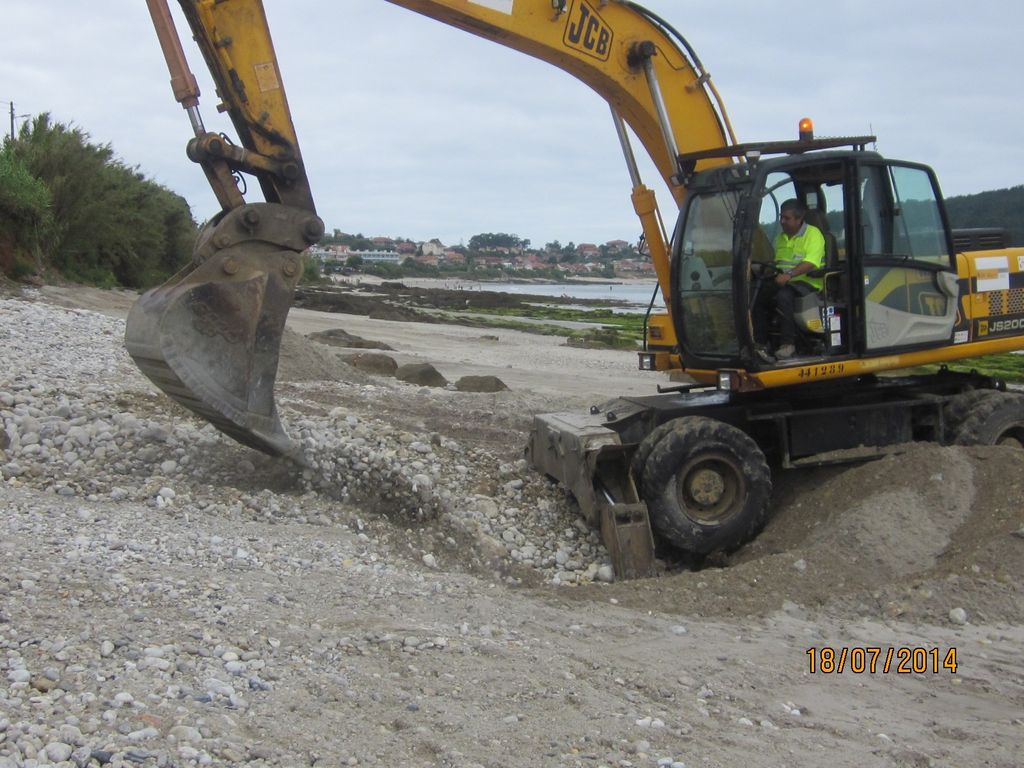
108 224
310 271
25 217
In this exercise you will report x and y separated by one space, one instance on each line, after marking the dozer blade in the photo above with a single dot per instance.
210 337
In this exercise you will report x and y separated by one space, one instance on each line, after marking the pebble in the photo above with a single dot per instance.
958 615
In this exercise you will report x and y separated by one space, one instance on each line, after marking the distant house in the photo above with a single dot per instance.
387 257
588 250
617 246
638 266
432 248
329 255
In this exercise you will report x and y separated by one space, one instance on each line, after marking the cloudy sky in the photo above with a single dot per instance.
411 128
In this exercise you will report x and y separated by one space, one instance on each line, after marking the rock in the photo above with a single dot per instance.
58 752
401 314
480 384
43 684
423 374
337 337
372 362
958 616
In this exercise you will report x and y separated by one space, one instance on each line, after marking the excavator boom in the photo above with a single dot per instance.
634 60
210 336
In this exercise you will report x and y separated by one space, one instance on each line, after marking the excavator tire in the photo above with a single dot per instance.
959 408
996 419
643 452
707 486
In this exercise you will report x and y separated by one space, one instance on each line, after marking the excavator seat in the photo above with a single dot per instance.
831 270
815 312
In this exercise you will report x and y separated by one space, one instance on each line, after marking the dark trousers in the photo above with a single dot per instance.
773 299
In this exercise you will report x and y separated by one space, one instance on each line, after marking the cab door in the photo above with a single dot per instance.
908 267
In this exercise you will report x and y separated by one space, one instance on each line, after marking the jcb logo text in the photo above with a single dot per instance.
587 32
999 326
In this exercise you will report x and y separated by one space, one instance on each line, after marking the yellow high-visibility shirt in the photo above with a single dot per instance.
806 245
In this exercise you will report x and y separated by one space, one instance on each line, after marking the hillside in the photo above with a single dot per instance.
995 208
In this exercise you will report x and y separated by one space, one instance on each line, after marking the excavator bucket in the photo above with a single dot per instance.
210 337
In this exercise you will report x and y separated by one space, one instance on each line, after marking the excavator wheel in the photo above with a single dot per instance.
995 419
707 486
643 452
959 408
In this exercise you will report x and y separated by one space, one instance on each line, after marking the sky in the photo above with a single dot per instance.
411 128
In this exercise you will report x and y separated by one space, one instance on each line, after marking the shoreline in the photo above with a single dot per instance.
450 283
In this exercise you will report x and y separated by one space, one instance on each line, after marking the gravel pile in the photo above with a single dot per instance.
80 420
140 497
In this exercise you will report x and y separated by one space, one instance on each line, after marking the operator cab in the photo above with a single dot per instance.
889 280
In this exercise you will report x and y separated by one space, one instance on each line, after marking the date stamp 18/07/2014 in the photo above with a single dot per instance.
905 660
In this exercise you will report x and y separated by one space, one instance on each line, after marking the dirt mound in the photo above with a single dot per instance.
898 528
915 534
302 360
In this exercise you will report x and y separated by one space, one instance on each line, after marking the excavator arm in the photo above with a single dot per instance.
210 336
634 60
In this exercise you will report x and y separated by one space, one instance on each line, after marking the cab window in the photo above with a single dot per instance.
704 275
900 216
909 286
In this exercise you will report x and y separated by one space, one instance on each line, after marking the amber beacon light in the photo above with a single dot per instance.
806 129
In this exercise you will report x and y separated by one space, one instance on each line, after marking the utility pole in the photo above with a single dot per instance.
13 116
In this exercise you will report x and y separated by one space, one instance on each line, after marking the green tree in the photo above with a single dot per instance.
997 208
355 242
490 240
110 224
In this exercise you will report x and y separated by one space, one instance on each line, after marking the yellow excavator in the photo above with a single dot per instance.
689 464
